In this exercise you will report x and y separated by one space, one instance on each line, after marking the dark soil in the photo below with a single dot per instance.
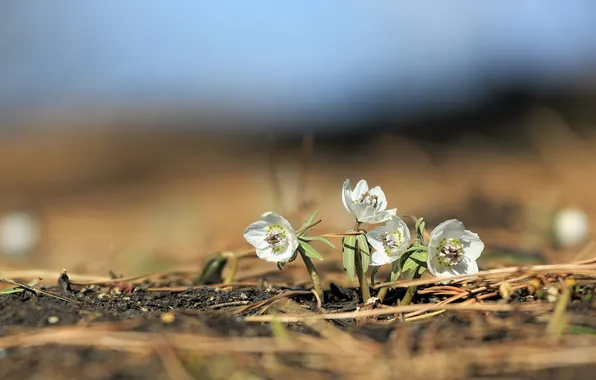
213 312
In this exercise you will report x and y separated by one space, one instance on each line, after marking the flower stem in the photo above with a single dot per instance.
412 289
314 276
233 268
409 295
360 270
382 293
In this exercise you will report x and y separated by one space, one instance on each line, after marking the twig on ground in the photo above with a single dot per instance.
36 291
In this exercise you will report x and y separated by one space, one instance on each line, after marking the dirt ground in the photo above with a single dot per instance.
127 330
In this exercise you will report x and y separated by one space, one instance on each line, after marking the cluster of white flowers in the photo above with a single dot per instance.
451 249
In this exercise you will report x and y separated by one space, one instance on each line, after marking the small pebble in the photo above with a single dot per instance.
167 317
243 296
53 319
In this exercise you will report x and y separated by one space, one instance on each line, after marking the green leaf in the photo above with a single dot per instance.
317 238
349 253
18 289
212 271
581 330
310 251
11 290
420 224
365 258
415 260
309 221
363 244
280 265
364 251
395 271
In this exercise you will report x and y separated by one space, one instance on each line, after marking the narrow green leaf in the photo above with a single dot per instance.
310 219
363 244
365 260
413 248
18 289
349 253
581 330
317 238
364 251
310 251
280 265
419 224
11 290
395 271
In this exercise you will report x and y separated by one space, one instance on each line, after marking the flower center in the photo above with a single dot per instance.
276 237
370 199
391 241
451 252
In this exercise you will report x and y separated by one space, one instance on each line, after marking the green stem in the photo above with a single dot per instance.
314 276
233 269
409 295
360 271
412 289
382 293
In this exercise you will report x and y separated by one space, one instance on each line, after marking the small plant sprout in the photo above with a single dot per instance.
453 250
276 241
389 242
367 206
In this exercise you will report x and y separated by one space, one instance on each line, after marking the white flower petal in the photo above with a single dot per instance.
473 246
273 218
374 238
256 233
288 252
395 223
267 254
346 196
360 211
360 189
292 242
380 257
381 199
374 218
451 228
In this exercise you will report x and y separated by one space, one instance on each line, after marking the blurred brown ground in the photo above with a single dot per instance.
135 203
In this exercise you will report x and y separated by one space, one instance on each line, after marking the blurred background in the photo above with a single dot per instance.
143 136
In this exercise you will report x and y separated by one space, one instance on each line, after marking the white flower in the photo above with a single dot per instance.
273 237
390 241
367 206
453 250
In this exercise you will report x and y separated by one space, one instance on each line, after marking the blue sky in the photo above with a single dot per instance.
284 57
